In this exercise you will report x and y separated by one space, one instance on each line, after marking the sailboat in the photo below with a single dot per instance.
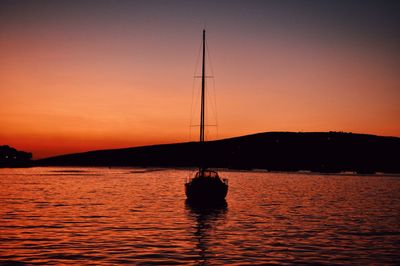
206 186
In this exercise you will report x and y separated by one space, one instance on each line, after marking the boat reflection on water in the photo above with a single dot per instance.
207 219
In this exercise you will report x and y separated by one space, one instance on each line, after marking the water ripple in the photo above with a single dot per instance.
86 216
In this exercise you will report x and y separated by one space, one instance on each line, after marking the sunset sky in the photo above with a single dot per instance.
87 75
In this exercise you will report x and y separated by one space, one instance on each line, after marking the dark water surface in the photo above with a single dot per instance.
114 216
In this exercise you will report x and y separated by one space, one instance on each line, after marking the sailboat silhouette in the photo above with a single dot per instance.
206 186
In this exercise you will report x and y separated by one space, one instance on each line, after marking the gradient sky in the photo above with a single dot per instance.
87 75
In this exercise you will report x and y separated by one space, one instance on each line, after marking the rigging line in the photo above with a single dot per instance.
196 66
214 102
193 104
212 74
210 118
196 103
209 60
204 125
215 106
192 108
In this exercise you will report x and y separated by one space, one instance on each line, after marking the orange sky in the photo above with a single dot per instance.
75 79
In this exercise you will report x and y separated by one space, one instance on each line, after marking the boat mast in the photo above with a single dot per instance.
203 89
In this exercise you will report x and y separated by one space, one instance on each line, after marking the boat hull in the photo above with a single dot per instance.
202 189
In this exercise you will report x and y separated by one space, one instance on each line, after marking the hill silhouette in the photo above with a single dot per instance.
11 157
275 151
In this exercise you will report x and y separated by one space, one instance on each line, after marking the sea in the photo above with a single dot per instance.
139 216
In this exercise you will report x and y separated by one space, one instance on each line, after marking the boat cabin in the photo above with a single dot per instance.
207 174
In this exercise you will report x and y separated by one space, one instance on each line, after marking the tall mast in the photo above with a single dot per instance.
203 88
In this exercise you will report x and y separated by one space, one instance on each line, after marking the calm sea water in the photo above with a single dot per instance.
133 216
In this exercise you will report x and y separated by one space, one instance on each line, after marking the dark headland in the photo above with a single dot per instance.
11 157
329 152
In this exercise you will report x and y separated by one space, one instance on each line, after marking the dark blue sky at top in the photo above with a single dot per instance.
165 27
367 20
158 29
